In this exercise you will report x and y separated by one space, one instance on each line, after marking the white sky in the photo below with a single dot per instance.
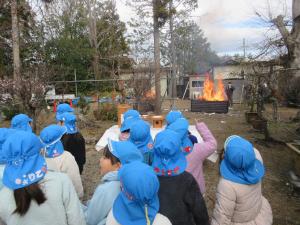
226 22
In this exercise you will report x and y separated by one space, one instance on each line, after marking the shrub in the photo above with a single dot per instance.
10 111
292 91
106 111
83 104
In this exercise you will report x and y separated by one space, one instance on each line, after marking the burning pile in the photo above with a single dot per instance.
212 94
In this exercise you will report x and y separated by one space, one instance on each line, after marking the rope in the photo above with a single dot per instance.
147 217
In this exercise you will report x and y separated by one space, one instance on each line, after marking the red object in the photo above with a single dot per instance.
71 104
54 106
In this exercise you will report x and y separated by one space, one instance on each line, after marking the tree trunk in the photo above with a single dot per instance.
173 54
96 65
295 60
156 57
15 39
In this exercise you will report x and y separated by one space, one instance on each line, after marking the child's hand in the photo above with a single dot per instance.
197 121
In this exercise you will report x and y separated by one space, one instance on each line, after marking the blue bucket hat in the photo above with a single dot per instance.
239 164
125 151
131 113
63 108
140 136
172 116
21 122
4 134
70 122
168 159
137 203
25 165
181 126
50 138
127 123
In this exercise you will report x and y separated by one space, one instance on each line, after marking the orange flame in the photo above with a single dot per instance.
212 94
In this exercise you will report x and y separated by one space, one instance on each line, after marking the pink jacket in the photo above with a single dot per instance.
200 152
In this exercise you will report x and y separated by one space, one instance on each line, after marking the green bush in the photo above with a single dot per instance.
292 91
10 111
106 111
83 104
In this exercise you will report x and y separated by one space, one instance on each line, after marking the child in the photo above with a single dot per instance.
239 196
172 116
200 152
114 155
73 140
181 126
141 137
138 203
21 122
31 194
57 159
61 109
129 117
4 134
179 194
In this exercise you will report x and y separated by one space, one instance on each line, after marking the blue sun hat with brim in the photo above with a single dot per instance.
63 108
25 165
181 126
4 134
240 164
51 139
127 123
140 136
168 159
69 122
131 113
137 203
125 151
172 116
21 122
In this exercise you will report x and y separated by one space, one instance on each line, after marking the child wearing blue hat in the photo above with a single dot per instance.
32 195
239 195
181 126
115 155
21 122
57 158
179 194
4 134
140 136
72 140
63 108
172 116
137 203
129 118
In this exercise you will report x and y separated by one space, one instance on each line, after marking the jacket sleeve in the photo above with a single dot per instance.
70 167
209 144
225 204
96 209
74 213
196 204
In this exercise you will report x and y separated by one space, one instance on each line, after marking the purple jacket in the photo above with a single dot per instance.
200 152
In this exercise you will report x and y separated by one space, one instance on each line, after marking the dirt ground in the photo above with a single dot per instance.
278 159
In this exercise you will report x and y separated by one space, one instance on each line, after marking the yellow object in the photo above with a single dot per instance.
122 108
157 121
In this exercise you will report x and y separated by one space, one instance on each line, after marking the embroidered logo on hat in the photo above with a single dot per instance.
150 145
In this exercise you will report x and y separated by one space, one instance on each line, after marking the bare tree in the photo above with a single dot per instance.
15 39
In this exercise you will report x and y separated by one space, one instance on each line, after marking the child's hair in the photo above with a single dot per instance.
108 155
221 157
23 197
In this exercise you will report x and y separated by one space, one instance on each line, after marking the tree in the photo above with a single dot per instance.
15 39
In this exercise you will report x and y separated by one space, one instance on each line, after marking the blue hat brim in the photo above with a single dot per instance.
157 163
123 215
253 175
13 176
127 124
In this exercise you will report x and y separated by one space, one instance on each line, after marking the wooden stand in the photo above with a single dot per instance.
157 121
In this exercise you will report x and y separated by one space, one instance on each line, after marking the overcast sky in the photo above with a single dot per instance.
226 22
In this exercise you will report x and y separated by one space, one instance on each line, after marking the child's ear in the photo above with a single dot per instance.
119 165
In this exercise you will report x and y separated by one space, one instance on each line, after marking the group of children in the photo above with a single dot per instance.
144 181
